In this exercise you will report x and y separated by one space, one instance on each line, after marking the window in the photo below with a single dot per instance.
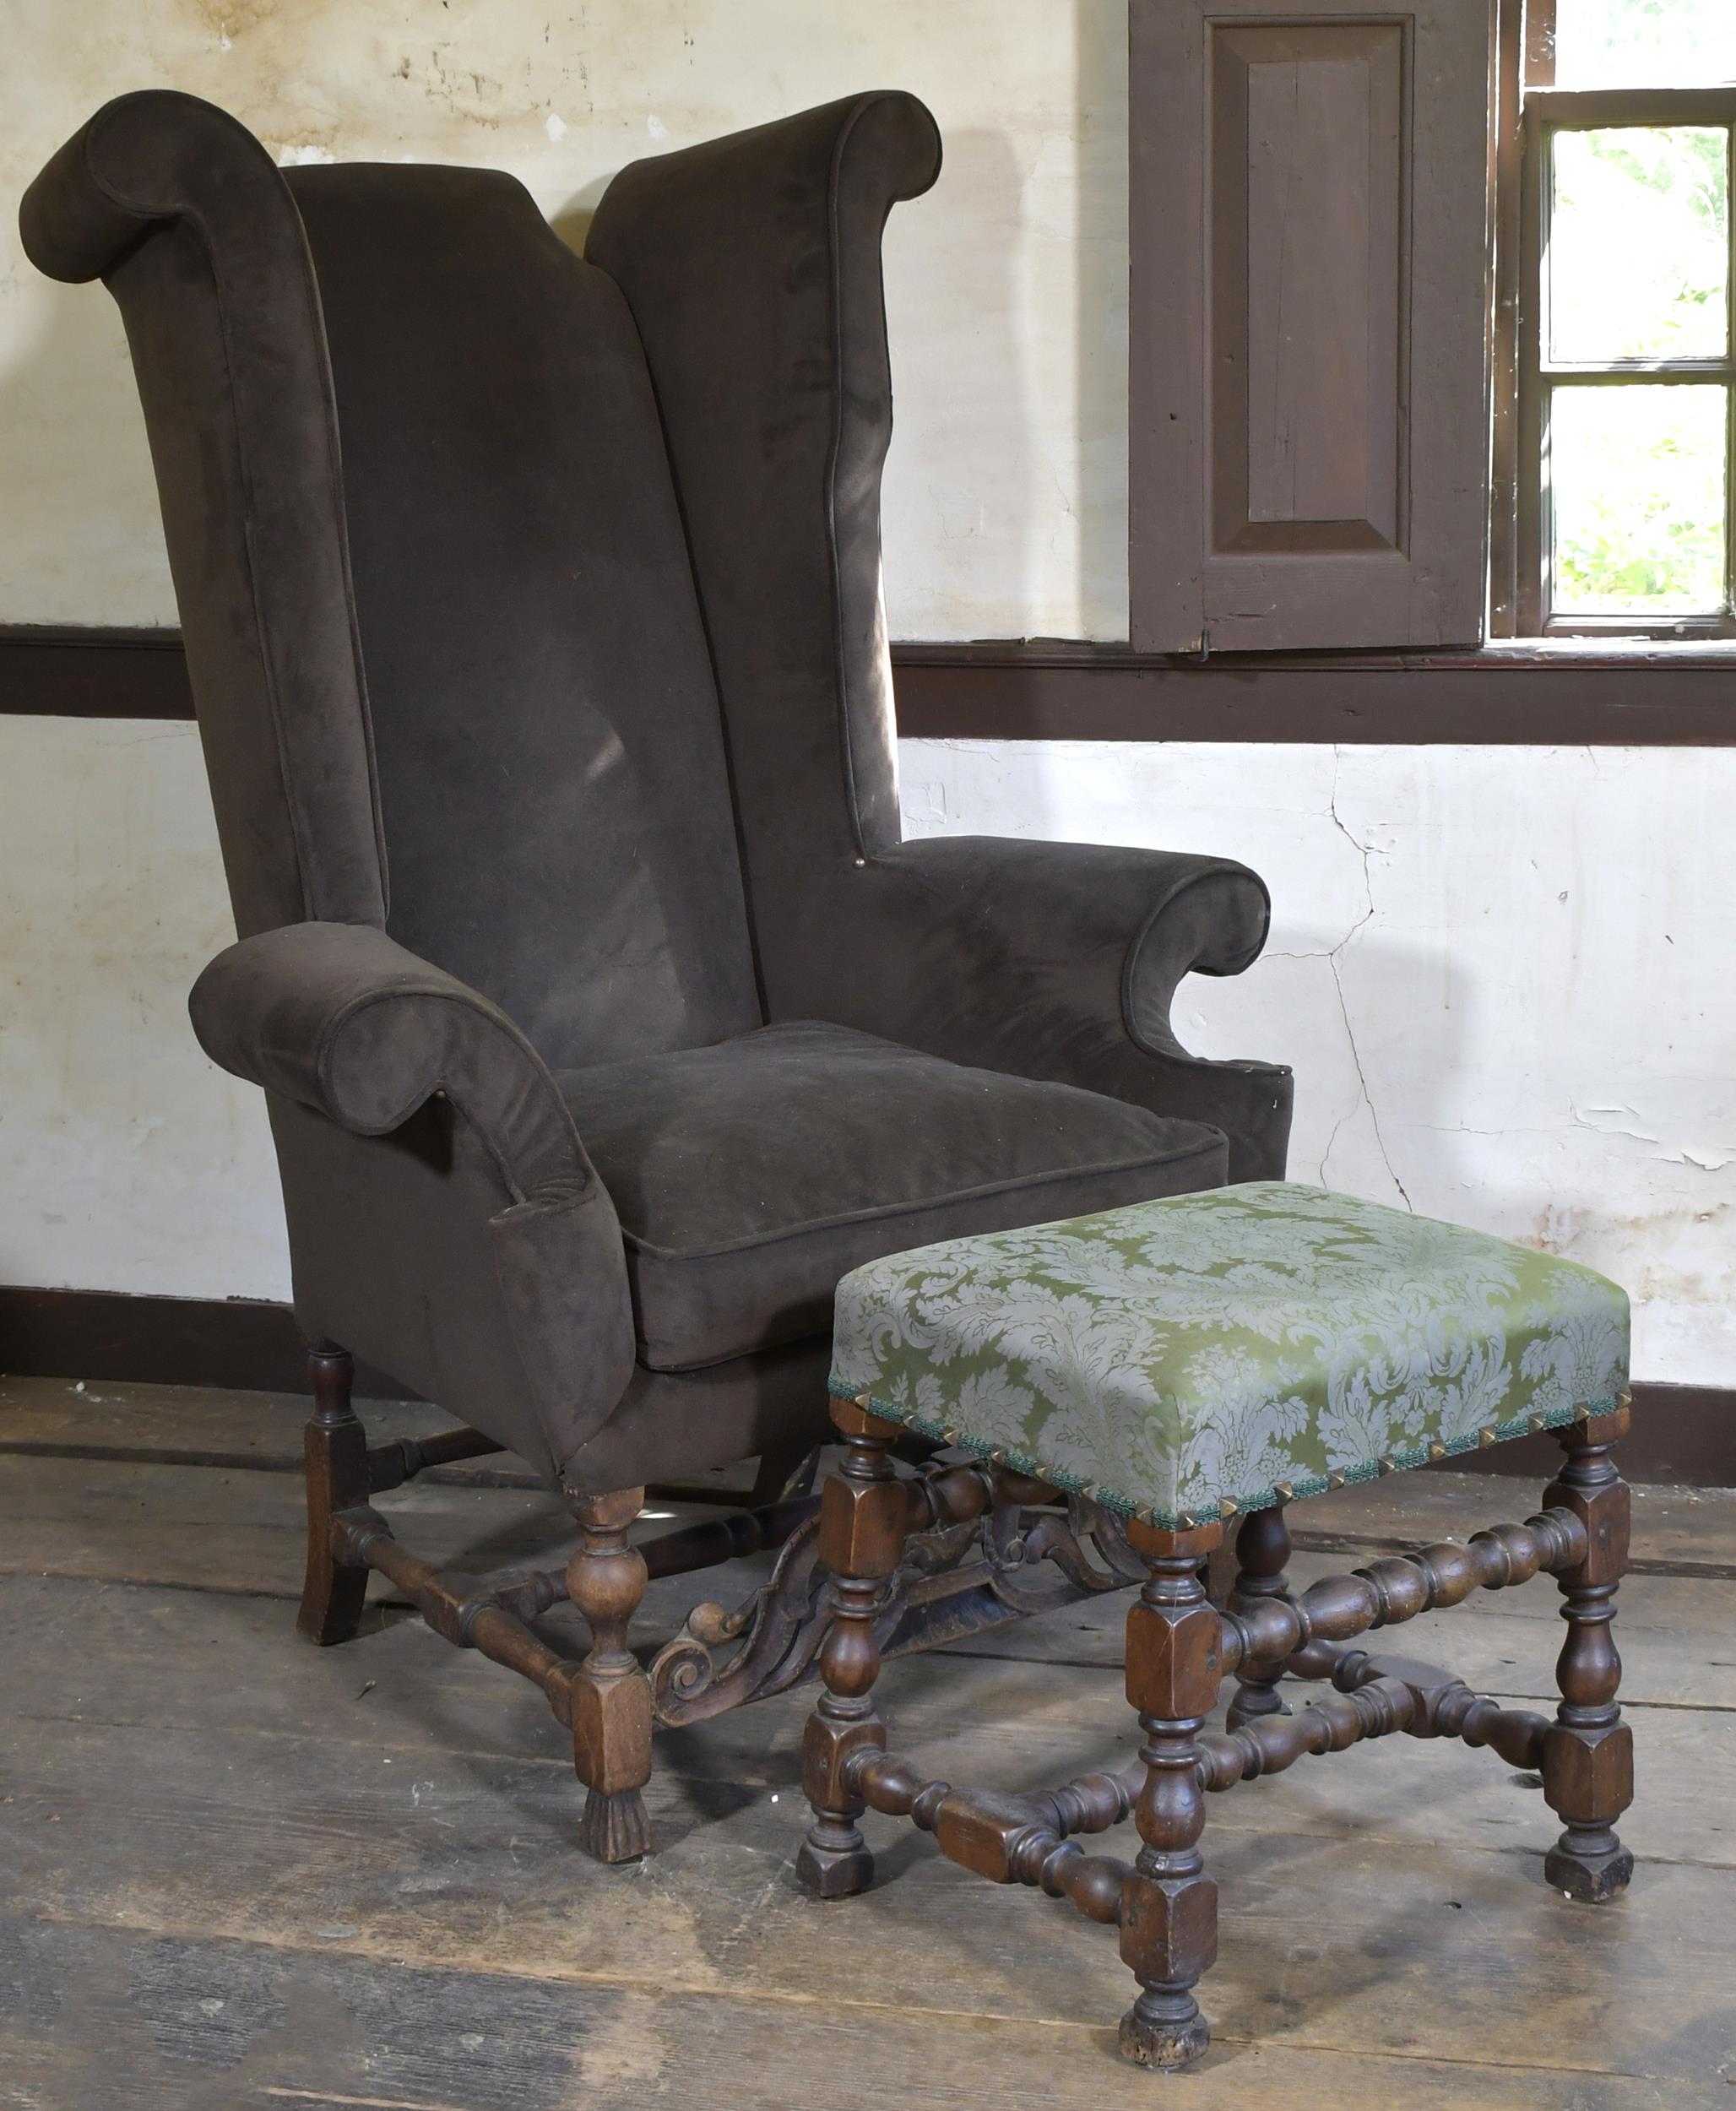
1613 451
1402 377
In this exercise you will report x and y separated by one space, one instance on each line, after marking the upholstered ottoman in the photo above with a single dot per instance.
1162 1371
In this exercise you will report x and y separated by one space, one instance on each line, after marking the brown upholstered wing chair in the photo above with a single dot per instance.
532 608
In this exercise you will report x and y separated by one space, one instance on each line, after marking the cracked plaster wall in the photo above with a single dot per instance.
1501 974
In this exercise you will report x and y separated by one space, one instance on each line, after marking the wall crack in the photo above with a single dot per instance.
1364 1097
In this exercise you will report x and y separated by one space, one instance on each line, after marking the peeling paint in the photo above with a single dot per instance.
1457 1051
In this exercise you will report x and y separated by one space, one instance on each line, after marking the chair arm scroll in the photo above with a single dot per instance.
343 1019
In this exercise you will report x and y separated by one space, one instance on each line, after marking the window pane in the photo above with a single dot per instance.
1639 242
1644 43
1637 495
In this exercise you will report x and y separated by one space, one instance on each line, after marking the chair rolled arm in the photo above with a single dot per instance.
1061 960
343 1019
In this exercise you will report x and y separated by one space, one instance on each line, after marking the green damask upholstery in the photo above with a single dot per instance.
1207 1353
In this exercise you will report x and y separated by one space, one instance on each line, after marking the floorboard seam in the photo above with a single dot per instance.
785 1997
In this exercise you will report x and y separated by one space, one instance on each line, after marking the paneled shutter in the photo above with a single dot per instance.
1310 228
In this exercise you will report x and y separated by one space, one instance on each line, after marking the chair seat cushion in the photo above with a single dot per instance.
1188 1358
750 1175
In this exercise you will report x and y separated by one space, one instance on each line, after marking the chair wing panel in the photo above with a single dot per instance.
751 265
182 212
550 752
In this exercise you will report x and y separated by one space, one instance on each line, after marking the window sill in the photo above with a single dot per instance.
1502 653
1605 652
1530 692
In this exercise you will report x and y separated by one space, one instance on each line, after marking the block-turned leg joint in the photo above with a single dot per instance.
1588 1753
334 1445
612 1696
1169 1903
1262 1550
864 1516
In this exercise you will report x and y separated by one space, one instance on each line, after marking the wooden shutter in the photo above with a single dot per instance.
1309 322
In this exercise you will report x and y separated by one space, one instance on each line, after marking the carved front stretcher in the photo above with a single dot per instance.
977 1548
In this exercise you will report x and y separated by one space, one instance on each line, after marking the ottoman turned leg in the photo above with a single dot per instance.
863 1517
1262 1551
1588 1753
1169 1912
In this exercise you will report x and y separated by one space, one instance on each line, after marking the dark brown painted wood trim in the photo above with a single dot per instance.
57 671
1685 1435
1506 160
1013 690
247 1344
1663 698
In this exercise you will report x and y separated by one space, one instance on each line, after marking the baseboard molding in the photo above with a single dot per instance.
1010 689
1683 1436
242 1344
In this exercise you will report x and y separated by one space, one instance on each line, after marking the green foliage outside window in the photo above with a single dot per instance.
1638 269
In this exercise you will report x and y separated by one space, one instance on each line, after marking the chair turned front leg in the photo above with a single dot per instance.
1262 1551
863 1515
612 1696
1588 1753
334 1445
1169 1904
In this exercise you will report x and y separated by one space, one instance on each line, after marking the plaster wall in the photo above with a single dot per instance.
1005 504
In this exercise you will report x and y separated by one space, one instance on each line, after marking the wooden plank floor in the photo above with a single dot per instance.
240 1871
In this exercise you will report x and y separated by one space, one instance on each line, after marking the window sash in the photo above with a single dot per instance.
1520 587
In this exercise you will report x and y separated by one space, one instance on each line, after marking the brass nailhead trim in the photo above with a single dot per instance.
1186 1521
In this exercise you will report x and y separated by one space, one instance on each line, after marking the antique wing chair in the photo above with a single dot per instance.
532 608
